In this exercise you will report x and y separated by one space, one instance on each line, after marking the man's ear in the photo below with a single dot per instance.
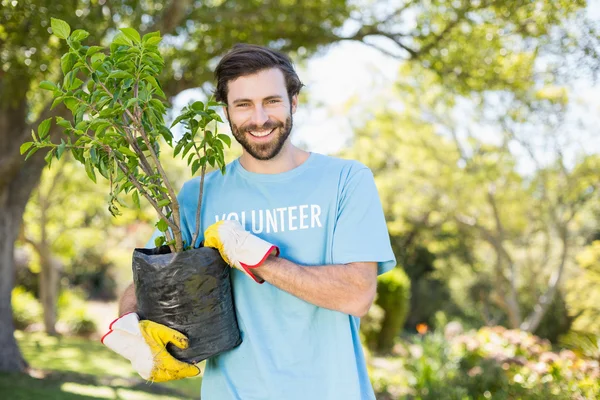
294 104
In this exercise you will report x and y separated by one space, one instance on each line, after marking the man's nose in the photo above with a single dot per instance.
259 116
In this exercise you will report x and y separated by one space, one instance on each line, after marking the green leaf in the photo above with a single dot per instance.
153 41
118 74
79 34
31 152
225 138
71 104
155 85
121 39
149 35
89 169
60 149
56 102
67 61
127 151
25 146
47 85
48 157
195 166
159 241
162 225
132 34
179 119
60 121
97 60
131 102
44 128
164 203
60 28
197 106
74 84
136 199
93 50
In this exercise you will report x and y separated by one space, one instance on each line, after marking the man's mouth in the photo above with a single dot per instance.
261 133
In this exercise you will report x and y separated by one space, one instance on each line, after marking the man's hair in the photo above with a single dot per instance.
248 59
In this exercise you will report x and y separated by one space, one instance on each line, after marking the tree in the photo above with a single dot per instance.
30 55
201 31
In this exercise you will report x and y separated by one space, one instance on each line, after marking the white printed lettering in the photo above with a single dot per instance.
281 211
315 211
271 221
303 216
260 215
291 218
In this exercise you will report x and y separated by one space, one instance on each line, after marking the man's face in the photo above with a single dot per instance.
260 113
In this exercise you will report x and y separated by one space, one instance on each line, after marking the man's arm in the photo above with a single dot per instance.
128 302
348 288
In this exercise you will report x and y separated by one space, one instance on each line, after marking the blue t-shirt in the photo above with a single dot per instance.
325 211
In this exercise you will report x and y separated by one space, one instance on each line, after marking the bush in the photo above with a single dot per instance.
26 308
72 312
491 363
386 318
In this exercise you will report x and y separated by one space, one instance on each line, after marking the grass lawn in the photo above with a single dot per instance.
77 369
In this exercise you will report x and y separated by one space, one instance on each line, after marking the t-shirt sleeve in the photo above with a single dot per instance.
360 233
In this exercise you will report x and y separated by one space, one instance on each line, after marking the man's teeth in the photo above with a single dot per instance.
260 133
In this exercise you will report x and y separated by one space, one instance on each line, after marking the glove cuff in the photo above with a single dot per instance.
248 267
127 322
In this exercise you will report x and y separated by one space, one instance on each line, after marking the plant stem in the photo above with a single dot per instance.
200 194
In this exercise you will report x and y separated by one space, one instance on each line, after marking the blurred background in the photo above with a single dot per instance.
479 119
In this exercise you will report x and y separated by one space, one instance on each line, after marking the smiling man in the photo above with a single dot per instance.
306 236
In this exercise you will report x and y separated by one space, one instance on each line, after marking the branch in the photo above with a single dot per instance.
171 17
513 297
539 310
139 187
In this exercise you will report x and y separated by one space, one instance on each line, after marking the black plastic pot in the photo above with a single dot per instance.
191 293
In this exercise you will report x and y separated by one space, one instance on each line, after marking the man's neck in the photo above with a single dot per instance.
288 158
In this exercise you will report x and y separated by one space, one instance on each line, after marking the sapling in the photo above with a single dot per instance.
118 110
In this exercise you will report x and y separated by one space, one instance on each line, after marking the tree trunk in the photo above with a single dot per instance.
49 282
10 356
17 180
541 308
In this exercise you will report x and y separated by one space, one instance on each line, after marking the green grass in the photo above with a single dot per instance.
77 369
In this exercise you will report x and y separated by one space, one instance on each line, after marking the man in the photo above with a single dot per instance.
310 227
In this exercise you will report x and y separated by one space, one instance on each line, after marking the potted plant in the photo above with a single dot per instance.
117 128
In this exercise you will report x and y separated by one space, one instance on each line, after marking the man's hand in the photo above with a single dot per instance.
144 344
238 247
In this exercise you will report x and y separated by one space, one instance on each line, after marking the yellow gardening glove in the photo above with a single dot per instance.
238 247
144 344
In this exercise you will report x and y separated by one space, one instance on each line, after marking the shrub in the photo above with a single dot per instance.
491 363
72 312
26 308
386 318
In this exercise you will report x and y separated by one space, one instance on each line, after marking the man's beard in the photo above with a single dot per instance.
268 150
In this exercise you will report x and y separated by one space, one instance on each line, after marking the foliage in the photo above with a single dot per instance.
118 120
73 313
25 307
583 343
583 297
490 363
386 318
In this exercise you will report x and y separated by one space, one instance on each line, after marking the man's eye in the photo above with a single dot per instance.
273 101
242 105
